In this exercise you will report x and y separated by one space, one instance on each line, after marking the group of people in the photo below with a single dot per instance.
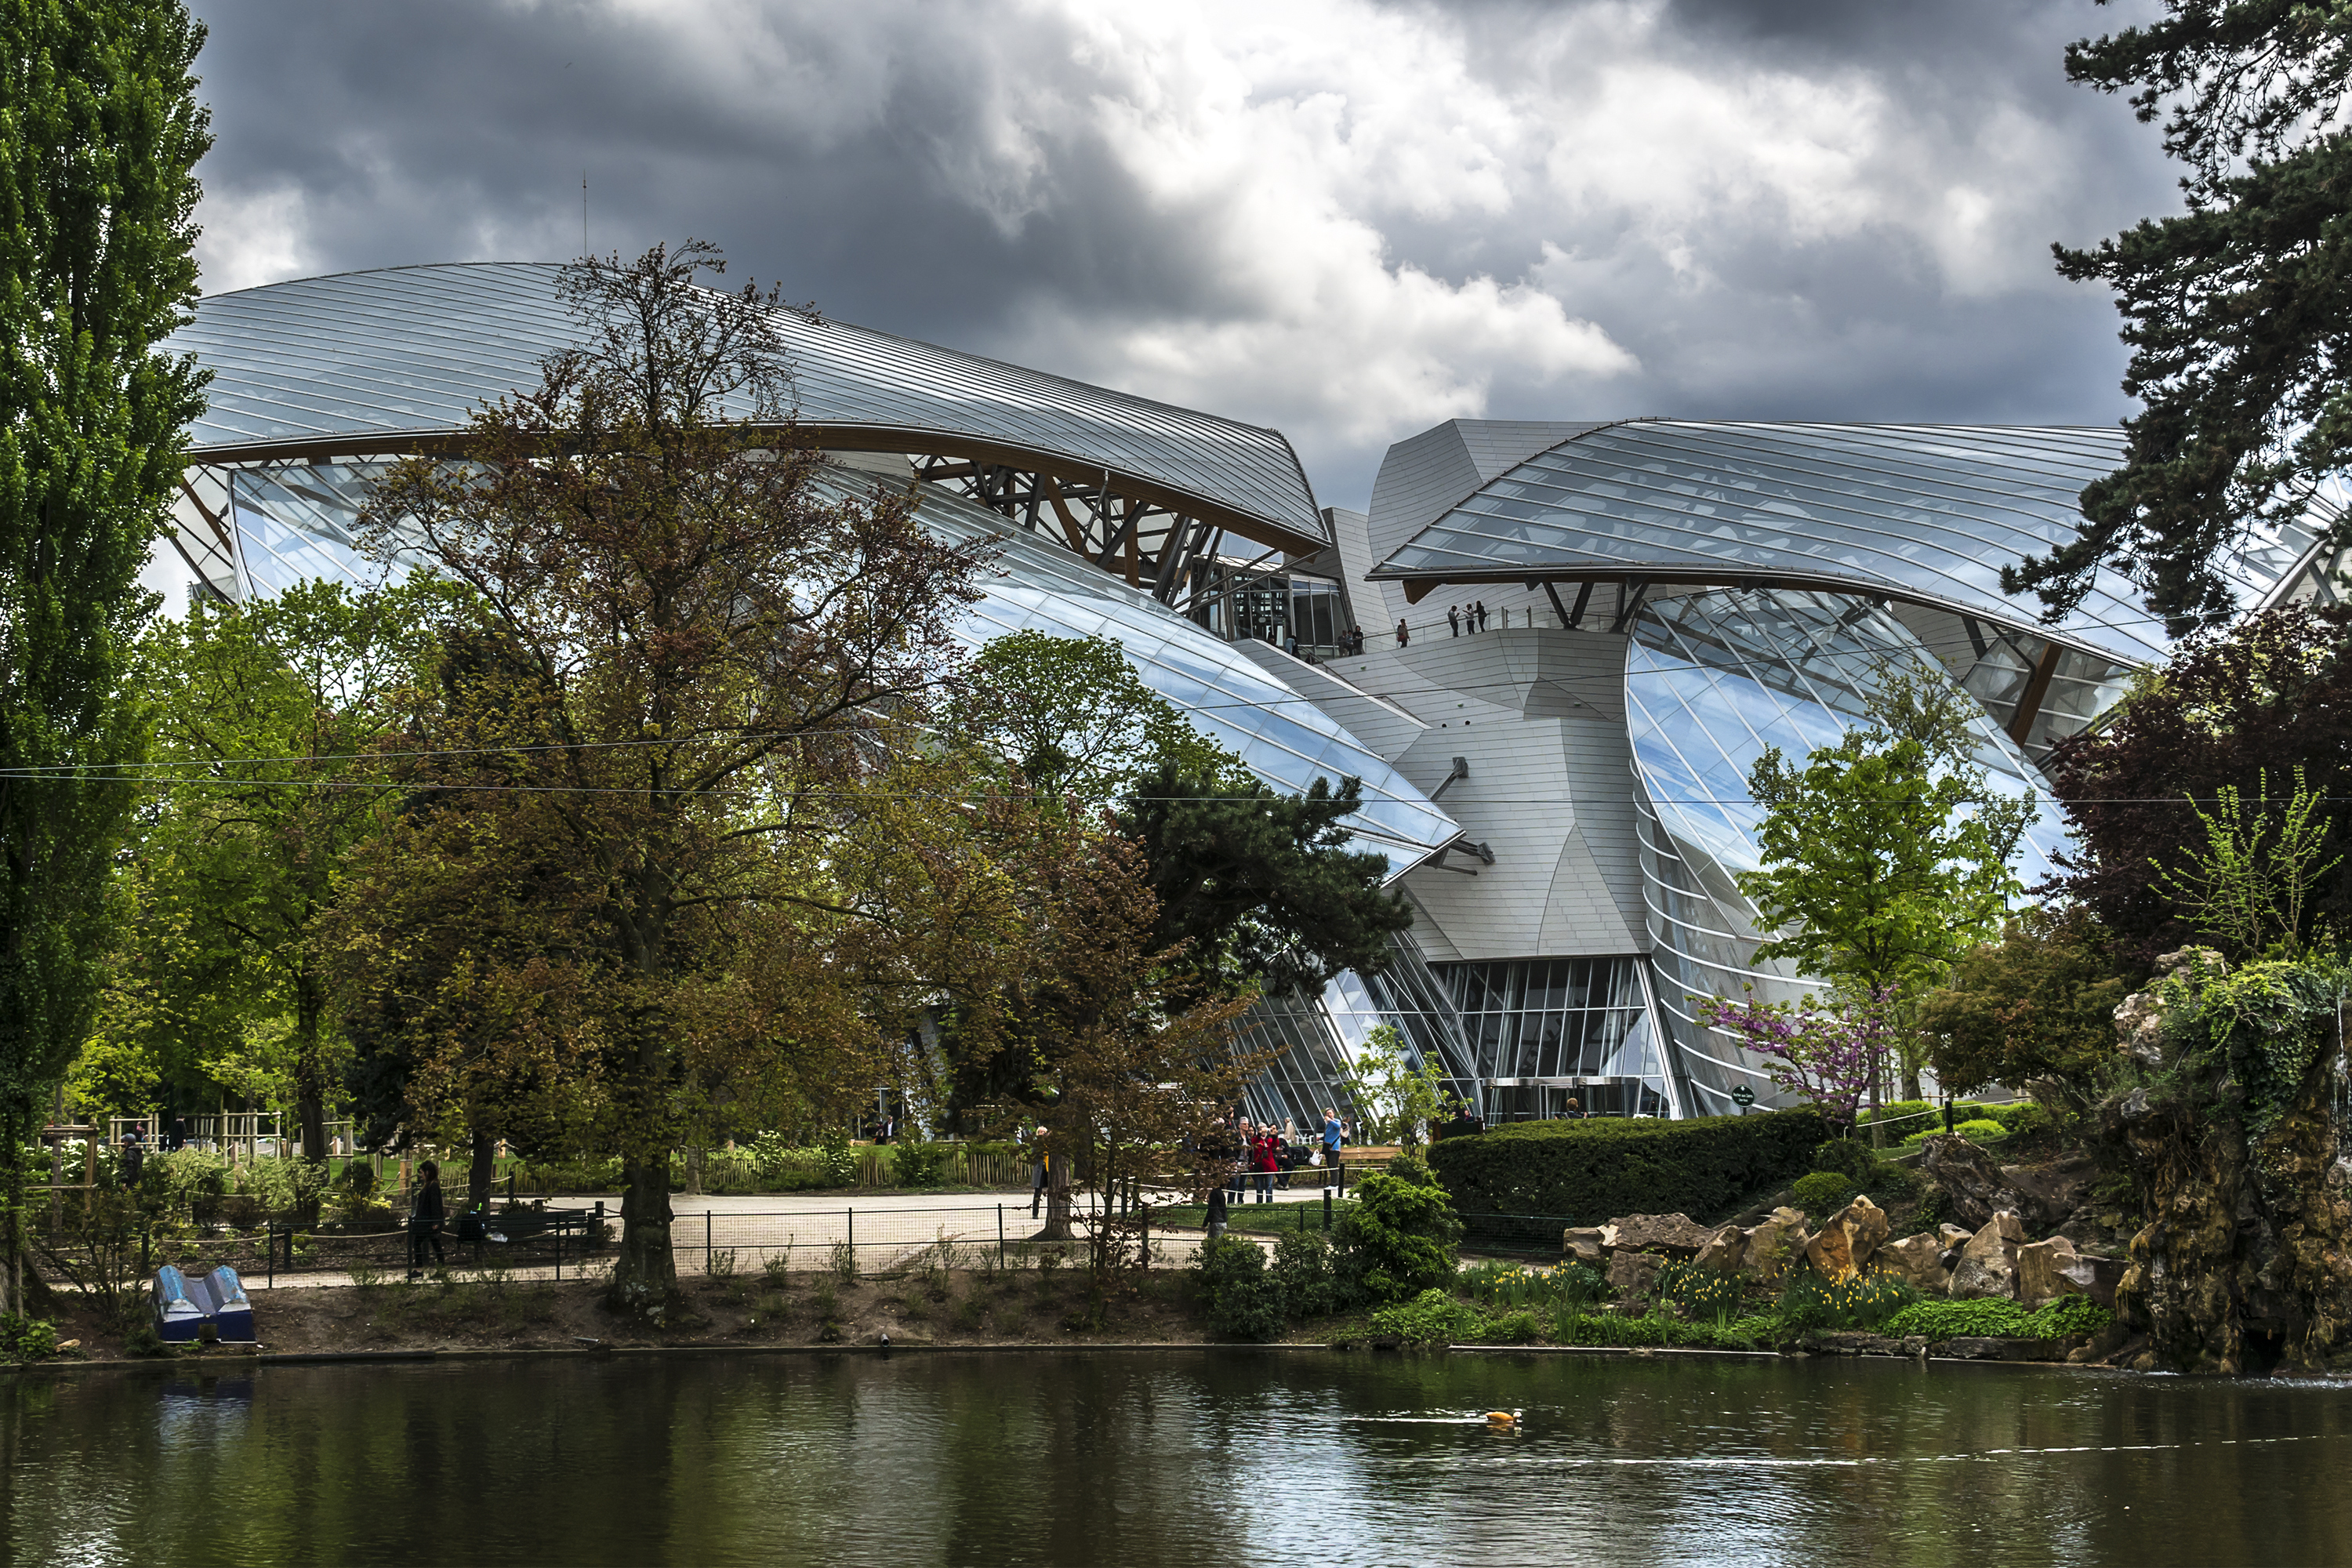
1267 1155
1469 617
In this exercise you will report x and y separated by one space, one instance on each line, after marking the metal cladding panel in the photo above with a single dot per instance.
1924 513
413 351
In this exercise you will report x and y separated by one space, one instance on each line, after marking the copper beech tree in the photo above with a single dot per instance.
681 654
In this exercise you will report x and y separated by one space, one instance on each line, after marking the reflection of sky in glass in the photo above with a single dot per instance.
1713 679
1935 511
410 349
296 521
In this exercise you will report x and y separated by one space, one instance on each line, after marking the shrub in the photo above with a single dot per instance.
920 1164
1851 1158
1303 1272
26 1339
1431 1318
1512 1285
1594 1171
1960 1319
1978 1131
1244 1301
837 1166
1821 1192
2068 1316
1808 1301
1519 1327
1397 1237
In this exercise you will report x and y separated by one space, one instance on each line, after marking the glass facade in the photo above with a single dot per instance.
1712 680
1543 1031
1928 513
341 361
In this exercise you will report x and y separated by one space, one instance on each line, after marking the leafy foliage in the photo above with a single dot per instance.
98 155
1303 1272
1987 1318
1589 1171
2040 1004
1851 1158
2247 887
1431 1318
1832 1055
1244 1301
1701 1292
2237 309
1821 1192
1397 1100
919 1164
1260 888
1398 1234
2230 710
27 1339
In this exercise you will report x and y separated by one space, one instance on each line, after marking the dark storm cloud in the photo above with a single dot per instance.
1343 219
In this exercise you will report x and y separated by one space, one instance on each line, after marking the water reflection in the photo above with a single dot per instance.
1171 1457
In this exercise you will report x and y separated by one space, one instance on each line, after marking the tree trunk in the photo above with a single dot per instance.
644 1276
483 1171
310 1089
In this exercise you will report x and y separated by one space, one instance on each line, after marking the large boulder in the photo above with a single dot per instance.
1918 1262
1726 1252
1974 1185
2043 1272
1673 1235
1850 1239
1633 1276
2048 1195
1988 1266
2096 1276
1773 1245
1587 1243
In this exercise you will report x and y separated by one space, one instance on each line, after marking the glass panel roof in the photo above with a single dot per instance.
295 521
1712 679
412 349
1918 511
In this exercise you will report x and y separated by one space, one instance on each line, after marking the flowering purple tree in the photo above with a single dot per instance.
1829 1055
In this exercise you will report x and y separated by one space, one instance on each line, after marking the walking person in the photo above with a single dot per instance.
134 1157
1038 1160
425 1217
1404 635
1332 1137
1479 609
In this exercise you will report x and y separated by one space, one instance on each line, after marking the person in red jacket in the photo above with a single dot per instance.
1266 1159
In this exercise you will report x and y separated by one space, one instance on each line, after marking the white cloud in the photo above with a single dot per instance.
254 236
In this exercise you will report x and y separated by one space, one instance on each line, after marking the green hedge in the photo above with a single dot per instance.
1587 1172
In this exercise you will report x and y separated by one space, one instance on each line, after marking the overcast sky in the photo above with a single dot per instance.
1347 220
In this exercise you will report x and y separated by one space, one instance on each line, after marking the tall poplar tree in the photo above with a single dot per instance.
99 135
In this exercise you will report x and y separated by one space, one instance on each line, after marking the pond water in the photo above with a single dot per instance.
1130 1460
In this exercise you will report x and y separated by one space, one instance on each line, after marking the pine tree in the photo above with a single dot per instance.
99 135
2238 310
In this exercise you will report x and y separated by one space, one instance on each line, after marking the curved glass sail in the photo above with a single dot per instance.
412 351
1712 679
1922 512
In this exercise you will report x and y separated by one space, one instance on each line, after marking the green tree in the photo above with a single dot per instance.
1069 718
2238 310
99 143
1399 1099
2038 1004
1876 869
2248 887
688 655
268 718
1256 888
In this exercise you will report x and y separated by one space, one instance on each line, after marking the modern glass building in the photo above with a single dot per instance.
1577 637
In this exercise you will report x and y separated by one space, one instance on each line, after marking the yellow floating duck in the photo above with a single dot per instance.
1501 1418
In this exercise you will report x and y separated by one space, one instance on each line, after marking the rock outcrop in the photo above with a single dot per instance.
1633 1276
1673 1235
2043 1272
1974 1188
1588 1243
1918 1262
1988 1266
1725 1251
2244 1261
1849 1241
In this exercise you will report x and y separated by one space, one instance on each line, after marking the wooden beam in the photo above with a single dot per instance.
1070 530
1417 590
2037 688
